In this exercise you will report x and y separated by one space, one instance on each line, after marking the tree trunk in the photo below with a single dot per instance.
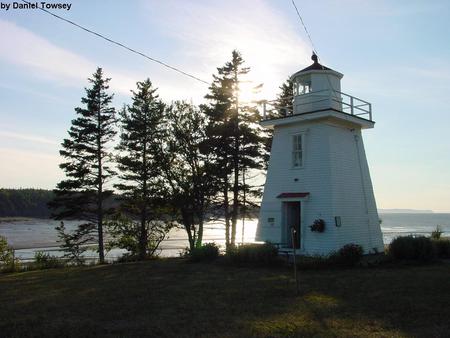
101 252
200 231
235 167
188 226
143 233
227 213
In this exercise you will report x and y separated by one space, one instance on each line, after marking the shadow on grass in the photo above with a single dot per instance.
177 299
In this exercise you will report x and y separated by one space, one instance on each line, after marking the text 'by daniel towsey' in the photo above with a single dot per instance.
35 5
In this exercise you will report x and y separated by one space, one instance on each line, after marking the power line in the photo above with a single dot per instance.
313 47
122 45
304 27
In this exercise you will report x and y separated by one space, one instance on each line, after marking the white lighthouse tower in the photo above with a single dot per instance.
318 172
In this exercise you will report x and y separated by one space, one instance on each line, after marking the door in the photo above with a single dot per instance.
292 220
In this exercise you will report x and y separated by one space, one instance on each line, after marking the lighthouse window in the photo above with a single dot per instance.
304 88
297 151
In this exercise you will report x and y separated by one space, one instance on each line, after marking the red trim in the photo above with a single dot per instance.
293 194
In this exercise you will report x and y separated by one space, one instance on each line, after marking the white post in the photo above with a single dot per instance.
295 260
351 104
264 110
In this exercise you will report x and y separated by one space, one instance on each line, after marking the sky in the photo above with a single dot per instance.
394 54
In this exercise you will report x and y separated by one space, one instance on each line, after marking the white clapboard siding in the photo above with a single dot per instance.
339 184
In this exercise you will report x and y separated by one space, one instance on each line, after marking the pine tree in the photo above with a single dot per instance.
236 138
283 106
285 98
219 133
81 195
138 160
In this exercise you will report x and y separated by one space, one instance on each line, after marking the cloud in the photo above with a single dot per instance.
27 137
208 31
24 48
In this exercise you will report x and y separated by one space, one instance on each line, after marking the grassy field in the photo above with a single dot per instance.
179 299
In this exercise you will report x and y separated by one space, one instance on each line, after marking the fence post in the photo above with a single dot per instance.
295 260
264 110
351 105
13 259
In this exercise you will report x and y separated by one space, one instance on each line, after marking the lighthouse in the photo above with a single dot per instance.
318 181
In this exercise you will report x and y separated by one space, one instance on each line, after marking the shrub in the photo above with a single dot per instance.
206 253
349 255
437 233
410 247
44 260
442 247
6 252
256 254
7 261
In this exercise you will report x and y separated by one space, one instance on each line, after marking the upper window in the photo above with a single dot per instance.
297 150
302 86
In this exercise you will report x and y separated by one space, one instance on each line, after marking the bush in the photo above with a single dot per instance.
43 260
410 247
206 253
349 255
255 254
442 247
7 261
437 233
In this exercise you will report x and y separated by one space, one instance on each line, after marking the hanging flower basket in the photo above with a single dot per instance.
318 226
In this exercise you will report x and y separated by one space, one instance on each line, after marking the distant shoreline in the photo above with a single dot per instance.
17 219
404 211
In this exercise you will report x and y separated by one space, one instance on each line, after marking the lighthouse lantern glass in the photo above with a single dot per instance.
302 85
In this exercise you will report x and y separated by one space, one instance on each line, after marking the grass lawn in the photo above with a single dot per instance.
179 299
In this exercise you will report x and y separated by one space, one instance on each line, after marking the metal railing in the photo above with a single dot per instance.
322 99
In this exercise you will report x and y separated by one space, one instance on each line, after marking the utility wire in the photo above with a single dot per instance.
304 27
122 45
313 47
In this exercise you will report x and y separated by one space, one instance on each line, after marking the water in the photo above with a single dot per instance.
30 236
27 237
394 225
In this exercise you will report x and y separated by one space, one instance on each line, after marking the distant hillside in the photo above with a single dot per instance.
25 202
404 211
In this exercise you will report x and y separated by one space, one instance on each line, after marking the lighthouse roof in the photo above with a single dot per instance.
314 67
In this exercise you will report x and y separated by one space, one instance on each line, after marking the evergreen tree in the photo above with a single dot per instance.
138 158
283 106
285 98
25 202
237 140
82 193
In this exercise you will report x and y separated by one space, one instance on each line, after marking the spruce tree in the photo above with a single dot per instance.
283 106
237 140
285 98
219 131
138 158
82 194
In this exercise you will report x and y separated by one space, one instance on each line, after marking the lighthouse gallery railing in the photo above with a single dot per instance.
324 99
